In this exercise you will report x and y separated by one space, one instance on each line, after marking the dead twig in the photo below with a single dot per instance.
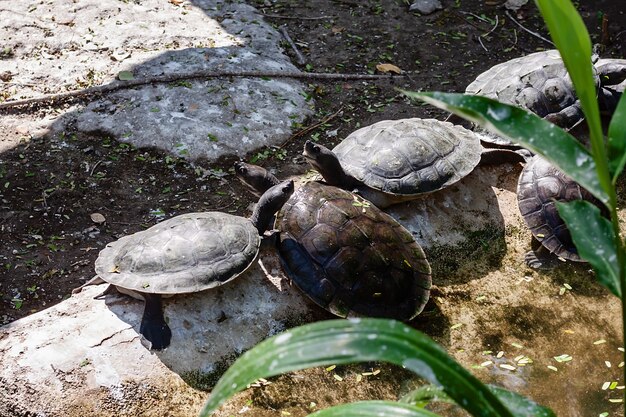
299 56
168 78
312 127
277 16
535 34
493 28
480 40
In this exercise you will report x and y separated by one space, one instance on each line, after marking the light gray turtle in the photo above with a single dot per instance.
399 160
347 255
540 83
188 253
540 185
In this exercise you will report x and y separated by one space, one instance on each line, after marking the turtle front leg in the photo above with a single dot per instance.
539 257
153 326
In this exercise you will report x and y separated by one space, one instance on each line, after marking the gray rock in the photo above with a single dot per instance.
65 46
426 6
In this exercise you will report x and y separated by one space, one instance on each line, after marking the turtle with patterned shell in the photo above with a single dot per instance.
393 161
347 255
188 253
540 185
539 82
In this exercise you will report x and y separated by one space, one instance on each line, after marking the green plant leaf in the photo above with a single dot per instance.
593 236
616 144
373 409
424 395
336 342
518 404
525 128
125 76
569 33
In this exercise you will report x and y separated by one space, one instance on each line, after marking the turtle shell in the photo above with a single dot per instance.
540 185
349 257
538 82
409 156
187 253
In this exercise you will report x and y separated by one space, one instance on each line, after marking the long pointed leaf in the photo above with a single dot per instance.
373 409
517 403
593 236
616 145
525 128
569 33
349 341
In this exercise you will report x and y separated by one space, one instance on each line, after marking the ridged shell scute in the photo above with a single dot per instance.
540 185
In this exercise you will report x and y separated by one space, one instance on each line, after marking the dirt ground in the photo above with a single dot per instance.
52 188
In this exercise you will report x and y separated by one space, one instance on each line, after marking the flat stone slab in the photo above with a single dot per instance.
53 359
63 45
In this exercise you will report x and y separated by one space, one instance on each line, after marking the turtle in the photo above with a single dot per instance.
392 161
540 185
188 253
613 79
350 257
539 82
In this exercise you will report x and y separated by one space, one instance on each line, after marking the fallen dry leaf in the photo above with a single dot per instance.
385 68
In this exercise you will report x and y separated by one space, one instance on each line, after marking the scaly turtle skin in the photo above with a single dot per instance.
187 253
398 160
540 185
348 256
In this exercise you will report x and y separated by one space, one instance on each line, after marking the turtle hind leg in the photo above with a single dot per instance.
540 257
153 326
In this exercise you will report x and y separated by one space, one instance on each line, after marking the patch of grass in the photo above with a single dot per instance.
484 249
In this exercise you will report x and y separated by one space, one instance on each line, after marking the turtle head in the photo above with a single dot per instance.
270 202
256 178
326 163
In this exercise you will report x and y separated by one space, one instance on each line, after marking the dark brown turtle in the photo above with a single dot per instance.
188 253
350 257
540 185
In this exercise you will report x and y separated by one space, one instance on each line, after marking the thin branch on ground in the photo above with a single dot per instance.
312 127
277 16
117 85
535 34
299 56
493 28
480 40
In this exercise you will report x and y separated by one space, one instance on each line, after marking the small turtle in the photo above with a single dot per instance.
399 160
348 256
540 185
187 253
540 83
